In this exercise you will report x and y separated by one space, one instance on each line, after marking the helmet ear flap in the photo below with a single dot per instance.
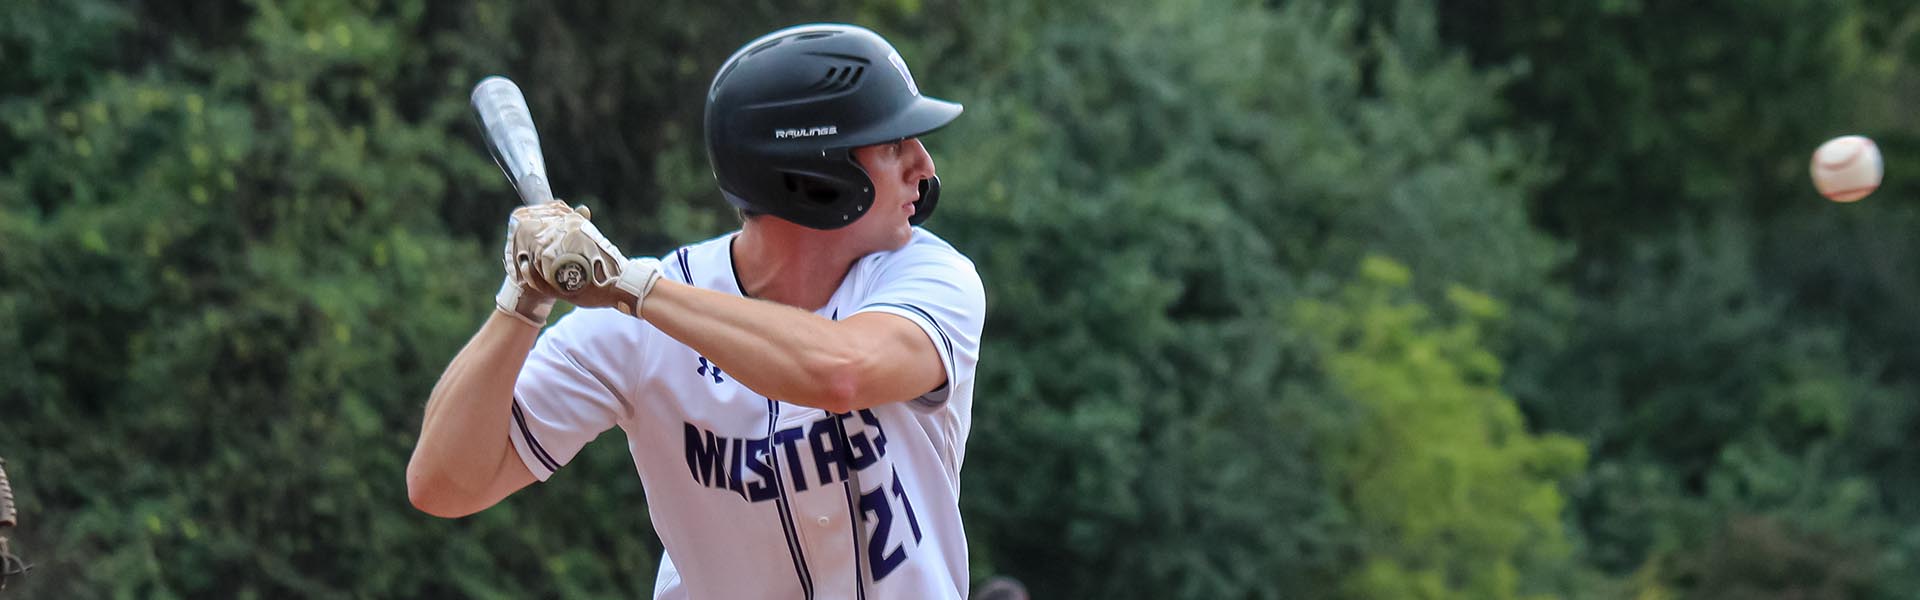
812 190
929 197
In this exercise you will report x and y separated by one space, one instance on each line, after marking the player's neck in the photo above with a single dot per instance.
781 262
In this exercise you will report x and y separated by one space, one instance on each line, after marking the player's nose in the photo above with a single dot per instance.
919 161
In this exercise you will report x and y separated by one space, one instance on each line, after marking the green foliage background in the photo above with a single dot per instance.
1312 299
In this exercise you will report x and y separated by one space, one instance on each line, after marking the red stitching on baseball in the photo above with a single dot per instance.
1847 160
1863 191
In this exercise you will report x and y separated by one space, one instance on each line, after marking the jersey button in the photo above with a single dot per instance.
824 520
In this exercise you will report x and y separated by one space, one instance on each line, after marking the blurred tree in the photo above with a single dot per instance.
1701 406
243 240
228 290
1436 469
1671 111
1724 312
1145 185
1762 558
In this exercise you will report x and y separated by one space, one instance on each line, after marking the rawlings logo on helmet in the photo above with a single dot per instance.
782 134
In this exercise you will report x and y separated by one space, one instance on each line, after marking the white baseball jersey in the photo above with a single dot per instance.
754 497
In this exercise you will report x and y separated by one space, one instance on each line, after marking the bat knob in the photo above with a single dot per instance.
570 276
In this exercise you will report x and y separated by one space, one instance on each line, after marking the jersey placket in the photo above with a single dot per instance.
816 489
794 532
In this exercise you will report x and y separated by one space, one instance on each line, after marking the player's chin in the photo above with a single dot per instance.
895 228
899 236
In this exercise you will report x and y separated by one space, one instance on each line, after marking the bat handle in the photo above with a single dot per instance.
570 273
534 190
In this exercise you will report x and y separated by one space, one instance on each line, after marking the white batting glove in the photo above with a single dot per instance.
559 253
518 297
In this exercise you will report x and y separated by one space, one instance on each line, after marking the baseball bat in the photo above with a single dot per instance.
507 125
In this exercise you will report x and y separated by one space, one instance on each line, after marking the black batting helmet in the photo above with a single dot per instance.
786 111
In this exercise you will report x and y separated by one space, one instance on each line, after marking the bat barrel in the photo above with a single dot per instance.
512 139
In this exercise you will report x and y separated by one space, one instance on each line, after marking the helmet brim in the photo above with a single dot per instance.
922 117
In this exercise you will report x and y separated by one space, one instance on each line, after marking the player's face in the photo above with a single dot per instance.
896 170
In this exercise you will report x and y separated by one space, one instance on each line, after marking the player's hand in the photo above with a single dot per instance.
518 297
553 238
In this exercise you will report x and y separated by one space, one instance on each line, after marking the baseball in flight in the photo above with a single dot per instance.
1846 168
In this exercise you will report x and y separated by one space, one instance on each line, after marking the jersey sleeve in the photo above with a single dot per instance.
940 292
572 388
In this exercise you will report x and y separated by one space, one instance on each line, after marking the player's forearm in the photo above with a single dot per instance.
463 437
777 350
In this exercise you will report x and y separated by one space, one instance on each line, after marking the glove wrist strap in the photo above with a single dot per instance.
637 280
519 303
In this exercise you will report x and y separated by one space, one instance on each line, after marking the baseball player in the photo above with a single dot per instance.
797 394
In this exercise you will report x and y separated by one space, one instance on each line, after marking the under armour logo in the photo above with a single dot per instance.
707 368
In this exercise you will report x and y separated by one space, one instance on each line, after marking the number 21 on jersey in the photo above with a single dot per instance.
884 508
